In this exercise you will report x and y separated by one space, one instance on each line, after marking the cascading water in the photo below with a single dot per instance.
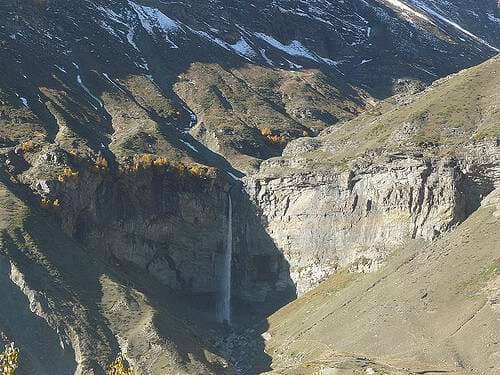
224 302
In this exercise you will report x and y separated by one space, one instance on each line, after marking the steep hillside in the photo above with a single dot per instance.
432 308
70 309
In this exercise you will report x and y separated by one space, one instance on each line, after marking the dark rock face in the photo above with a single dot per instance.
174 227
170 225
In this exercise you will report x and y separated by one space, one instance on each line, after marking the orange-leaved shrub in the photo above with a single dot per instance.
201 170
273 137
146 161
265 132
278 139
101 163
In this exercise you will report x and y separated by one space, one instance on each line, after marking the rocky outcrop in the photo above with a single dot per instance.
322 221
170 224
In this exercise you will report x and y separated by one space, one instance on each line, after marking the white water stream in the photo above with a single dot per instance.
224 302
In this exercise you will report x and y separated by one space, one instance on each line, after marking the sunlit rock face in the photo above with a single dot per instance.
323 221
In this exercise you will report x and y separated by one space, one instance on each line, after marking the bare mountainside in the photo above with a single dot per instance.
168 77
174 173
432 308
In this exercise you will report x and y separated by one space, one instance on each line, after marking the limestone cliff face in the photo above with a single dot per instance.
321 221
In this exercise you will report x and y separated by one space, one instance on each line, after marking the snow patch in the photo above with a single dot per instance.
189 145
153 20
267 59
452 24
60 68
113 83
406 9
294 48
87 90
241 47
233 176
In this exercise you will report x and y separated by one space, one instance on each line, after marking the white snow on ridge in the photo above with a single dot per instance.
267 59
492 18
87 90
113 83
189 145
215 40
115 17
233 176
452 23
295 48
153 19
405 8
60 68
241 47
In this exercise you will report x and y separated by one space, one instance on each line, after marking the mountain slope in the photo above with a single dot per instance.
459 110
71 310
433 308
66 64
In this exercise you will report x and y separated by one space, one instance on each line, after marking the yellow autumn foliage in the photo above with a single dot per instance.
119 367
201 170
67 173
27 146
9 359
101 163
146 161
273 137
266 132
48 203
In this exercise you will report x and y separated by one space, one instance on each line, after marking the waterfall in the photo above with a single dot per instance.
224 302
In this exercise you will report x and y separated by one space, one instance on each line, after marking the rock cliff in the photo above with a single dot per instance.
325 221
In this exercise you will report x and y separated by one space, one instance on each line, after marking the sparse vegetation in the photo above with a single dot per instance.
9 359
50 203
147 161
274 137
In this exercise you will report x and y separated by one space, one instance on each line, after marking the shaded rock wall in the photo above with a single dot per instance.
169 224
